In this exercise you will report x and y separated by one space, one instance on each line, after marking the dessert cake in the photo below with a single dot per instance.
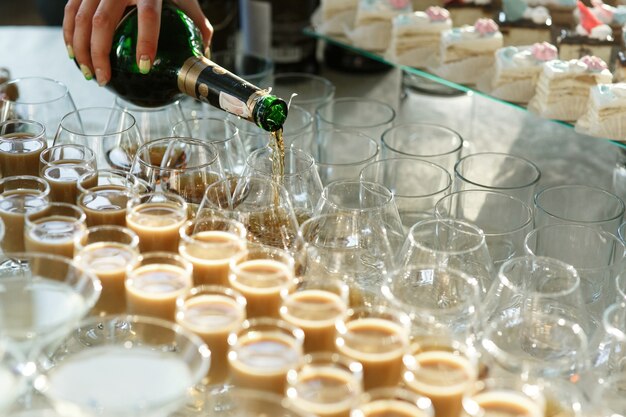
372 27
521 24
615 17
467 52
591 37
606 112
415 37
336 15
563 87
466 12
517 70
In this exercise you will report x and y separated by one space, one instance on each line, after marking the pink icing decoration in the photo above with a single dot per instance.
486 26
437 14
544 51
399 4
593 63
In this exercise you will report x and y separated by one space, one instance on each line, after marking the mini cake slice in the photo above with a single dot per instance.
563 87
521 24
518 69
415 37
337 15
606 112
467 52
591 37
466 12
372 27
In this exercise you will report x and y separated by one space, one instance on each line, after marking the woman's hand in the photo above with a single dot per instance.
88 27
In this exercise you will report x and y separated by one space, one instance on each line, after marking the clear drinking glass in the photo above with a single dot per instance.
112 134
221 133
451 243
392 401
62 165
117 386
210 243
582 204
263 352
182 166
21 144
610 396
155 282
157 218
504 396
429 142
378 338
260 204
53 229
263 274
505 220
226 401
416 185
41 99
312 90
110 253
19 196
366 115
338 154
509 174
301 179
12 383
152 122
327 384
597 256
610 357
212 312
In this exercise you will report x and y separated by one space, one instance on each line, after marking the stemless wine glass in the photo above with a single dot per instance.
19 196
366 115
43 297
145 371
597 256
338 154
41 99
506 173
223 134
21 144
110 133
416 185
300 179
260 204
182 166
582 204
311 90
152 122
61 166
505 220
451 243
426 141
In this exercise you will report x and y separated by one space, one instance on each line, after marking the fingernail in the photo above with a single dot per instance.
207 52
70 51
144 64
100 77
86 72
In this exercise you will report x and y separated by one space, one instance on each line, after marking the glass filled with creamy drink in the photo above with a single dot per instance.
21 144
62 166
53 229
392 401
504 397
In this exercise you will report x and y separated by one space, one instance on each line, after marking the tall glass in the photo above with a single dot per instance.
152 122
582 204
312 90
429 142
53 229
366 115
506 173
112 134
505 220
21 144
41 99
20 196
416 185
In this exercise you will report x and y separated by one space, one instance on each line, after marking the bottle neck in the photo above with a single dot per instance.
208 82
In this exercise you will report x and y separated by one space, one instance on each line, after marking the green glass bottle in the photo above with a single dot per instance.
180 68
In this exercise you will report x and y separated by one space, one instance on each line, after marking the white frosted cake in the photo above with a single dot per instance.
468 51
563 87
337 15
606 112
415 37
372 26
517 70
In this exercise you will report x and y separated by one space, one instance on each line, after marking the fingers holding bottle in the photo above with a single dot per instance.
149 25
104 22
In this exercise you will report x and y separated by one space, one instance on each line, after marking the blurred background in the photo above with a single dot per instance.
31 12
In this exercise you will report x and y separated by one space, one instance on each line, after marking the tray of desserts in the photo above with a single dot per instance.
563 60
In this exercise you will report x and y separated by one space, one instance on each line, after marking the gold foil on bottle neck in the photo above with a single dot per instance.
188 75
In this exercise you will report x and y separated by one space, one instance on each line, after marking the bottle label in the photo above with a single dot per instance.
233 105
